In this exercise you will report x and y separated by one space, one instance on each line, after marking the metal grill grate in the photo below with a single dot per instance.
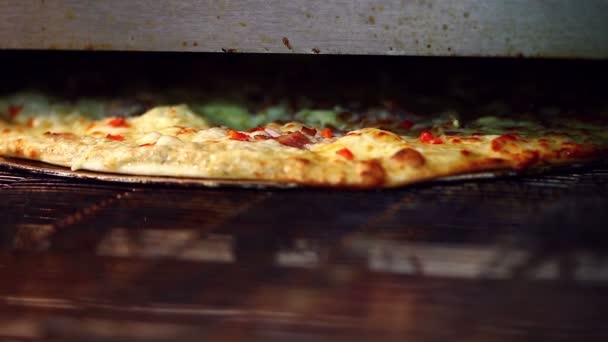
520 257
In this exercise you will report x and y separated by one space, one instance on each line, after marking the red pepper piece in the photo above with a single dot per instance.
118 122
428 138
234 135
116 137
346 153
327 133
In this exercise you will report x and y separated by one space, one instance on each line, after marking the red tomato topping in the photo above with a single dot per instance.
234 135
148 144
406 124
116 137
293 139
309 131
256 129
346 153
327 133
118 122
428 138
13 111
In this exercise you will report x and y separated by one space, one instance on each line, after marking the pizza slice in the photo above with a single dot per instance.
333 147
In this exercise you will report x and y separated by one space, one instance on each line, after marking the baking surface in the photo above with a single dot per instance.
552 28
512 259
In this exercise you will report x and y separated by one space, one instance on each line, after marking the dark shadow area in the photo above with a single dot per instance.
421 85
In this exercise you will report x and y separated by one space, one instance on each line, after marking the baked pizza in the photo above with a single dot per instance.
334 147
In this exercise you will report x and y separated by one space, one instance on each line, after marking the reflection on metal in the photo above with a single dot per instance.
33 237
419 259
553 28
22 329
87 329
462 261
67 304
304 254
174 243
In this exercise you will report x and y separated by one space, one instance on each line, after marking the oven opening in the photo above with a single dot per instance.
499 257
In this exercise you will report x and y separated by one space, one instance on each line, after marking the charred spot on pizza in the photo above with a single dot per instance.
61 135
372 173
409 156
506 142
18 147
526 159
384 136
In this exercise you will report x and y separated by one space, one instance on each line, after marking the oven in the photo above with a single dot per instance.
488 257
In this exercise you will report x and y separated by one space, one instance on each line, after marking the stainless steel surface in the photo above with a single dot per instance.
550 28
509 260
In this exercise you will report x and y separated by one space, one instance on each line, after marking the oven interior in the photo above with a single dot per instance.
499 259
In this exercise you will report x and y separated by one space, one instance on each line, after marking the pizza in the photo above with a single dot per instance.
333 147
